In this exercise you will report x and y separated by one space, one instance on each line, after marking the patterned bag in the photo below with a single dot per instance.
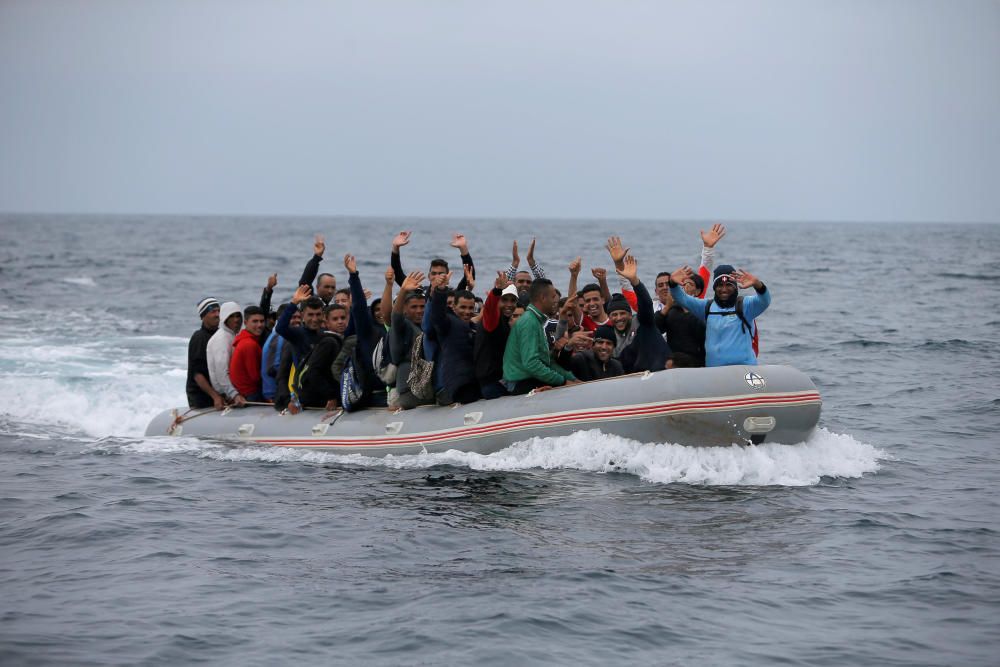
421 372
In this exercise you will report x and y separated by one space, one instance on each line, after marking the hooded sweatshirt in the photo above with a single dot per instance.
244 367
220 350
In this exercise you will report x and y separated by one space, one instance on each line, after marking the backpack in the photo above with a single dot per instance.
744 325
384 369
420 379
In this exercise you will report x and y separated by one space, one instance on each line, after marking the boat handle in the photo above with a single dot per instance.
320 429
245 430
472 418
393 428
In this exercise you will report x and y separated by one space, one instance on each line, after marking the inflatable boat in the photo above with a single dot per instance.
689 406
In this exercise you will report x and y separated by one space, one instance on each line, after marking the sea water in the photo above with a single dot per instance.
874 542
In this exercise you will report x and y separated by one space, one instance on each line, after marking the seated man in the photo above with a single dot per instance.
317 383
597 362
220 350
454 332
685 333
728 317
200 392
244 366
366 333
326 284
527 361
623 324
492 332
647 351
407 315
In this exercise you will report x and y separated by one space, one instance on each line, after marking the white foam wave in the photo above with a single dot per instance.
83 281
825 454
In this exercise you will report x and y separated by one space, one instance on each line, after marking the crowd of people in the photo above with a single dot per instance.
426 343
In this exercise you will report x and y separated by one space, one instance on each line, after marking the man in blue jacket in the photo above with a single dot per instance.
728 317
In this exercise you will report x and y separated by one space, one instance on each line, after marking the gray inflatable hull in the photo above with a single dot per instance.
696 406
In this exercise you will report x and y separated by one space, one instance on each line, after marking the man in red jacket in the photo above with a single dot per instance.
244 366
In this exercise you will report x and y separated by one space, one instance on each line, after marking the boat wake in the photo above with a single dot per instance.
825 455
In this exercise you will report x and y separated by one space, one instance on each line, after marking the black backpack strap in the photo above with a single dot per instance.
743 319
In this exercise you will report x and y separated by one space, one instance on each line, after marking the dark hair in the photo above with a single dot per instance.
344 290
253 310
320 277
590 287
523 271
522 301
414 294
281 309
312 303
538 288
437 261
332 307
464 294
563 300
374 306
661 274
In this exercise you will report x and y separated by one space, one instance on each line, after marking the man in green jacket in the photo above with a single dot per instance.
527 362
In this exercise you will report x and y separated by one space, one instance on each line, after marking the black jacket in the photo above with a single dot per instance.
315 377
198 363
647 351
586 367
685 333
455 339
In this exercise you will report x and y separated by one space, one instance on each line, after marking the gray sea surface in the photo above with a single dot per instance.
875 542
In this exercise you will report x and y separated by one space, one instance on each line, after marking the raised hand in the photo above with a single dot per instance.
501 281
272 281
470 280
575 266
746 279
368 294
412 281
681 274
400 240
441 281
600 274
629 270
458 241
569 307
515 259
714 235
616 250
350 263
301 294
582 340
390 276
319 245
531 252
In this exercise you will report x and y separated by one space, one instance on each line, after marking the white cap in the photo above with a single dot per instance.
509 290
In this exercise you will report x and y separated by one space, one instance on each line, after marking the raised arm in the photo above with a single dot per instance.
385 305
395 262
265 297
491 308
602 281
536 270
694 306
468 268
574 274
312 266
438 305
630 272
756 304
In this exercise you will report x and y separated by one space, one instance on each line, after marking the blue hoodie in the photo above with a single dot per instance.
727 343
269 385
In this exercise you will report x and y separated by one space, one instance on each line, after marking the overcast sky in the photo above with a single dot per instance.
733 110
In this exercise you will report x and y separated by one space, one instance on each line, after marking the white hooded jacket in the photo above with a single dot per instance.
220 350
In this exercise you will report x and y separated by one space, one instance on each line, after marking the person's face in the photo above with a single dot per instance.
549 302
377 313
663 288
211 319
507 305
593 304
621 319
725 289
326 288
255 324
450 301
465 309
336 321
414 310
690 288
516 315
296 319
343 299
603 349
234 322
312 318
435 271
522 280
